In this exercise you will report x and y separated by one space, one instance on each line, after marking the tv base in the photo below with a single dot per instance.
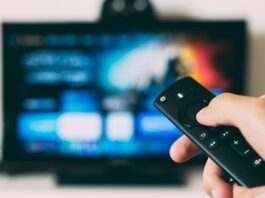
120 178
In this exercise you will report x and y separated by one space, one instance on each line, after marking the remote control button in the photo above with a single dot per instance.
231 180
257 162
242 148
179 95
227 177
162 98
187 113
194 108
203 136
212 144
246 152
225 134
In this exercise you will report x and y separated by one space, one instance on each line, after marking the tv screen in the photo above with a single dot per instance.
86 91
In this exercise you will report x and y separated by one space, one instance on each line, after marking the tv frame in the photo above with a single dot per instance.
11 155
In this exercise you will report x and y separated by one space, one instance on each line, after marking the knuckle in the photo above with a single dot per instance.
216 101
225 96
257 108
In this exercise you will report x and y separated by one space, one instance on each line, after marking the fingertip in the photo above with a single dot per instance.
200 114
224 191
219 188
177 153
206 117
183 149
172 153
214 184
217 193
221 193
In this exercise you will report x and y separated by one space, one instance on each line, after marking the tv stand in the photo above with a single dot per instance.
121 177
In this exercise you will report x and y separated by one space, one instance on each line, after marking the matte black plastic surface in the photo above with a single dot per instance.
180 102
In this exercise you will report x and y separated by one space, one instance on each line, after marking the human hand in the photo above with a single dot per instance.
247 114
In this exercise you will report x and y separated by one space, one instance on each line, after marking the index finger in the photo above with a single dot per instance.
183 149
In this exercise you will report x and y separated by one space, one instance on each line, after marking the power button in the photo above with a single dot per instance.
162 98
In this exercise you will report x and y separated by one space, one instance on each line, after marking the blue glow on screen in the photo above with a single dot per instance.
216 91
38 126
97 101
155 125
79 101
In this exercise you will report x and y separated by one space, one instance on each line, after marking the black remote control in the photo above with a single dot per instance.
180 103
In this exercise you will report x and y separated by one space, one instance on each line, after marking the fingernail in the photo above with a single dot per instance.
216 194
261 195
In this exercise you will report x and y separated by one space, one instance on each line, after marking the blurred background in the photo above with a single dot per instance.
79 79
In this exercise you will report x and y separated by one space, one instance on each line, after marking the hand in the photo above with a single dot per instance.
247 114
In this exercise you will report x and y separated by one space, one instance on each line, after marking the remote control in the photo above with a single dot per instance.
225 145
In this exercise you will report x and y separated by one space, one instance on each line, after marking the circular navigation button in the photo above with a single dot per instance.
194 108
187 113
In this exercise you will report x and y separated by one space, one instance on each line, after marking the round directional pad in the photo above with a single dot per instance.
188 112
194 108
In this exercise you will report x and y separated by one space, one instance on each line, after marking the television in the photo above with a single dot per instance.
81 94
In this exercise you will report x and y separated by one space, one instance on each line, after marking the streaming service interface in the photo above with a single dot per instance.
91 95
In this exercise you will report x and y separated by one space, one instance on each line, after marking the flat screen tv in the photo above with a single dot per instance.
81 94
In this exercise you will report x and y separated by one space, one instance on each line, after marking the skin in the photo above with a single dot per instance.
246 113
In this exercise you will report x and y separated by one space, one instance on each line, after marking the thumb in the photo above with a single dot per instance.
246 113
226 109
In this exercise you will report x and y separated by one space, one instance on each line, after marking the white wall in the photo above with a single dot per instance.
87 10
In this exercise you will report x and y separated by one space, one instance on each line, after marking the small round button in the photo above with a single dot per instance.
212 144
179 95
225 134
187 113
203 136
162 98
257 162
